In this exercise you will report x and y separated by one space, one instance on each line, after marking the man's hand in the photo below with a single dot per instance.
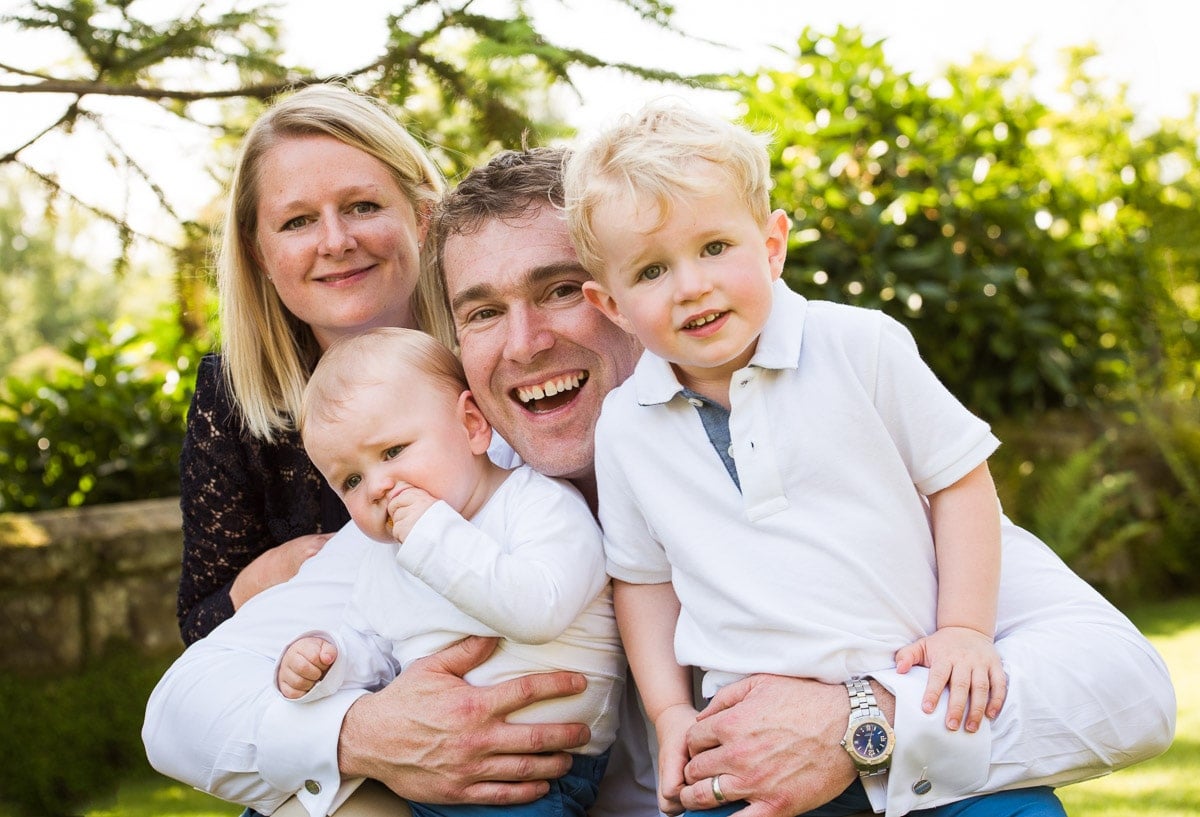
275 566
966 661
776 742
431 736
304 663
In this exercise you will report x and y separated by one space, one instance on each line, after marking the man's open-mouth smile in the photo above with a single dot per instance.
551 393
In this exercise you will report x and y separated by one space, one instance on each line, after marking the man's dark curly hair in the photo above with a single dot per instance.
515 184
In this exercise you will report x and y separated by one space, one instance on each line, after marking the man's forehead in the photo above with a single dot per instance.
506 259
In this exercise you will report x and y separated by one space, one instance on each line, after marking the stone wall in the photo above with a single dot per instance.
75 581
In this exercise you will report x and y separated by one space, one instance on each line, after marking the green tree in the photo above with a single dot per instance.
468 83
1017 242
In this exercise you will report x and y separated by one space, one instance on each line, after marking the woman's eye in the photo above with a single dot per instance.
364 207
393 452
351 482
651 272
295 223
715 247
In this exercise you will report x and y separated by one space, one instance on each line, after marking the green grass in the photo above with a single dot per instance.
1167 786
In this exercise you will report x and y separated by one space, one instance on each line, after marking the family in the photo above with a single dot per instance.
792 511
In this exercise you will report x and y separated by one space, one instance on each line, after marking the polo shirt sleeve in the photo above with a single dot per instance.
632 553
939 440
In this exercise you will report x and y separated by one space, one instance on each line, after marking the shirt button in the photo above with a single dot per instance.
312 787
696 402
729 451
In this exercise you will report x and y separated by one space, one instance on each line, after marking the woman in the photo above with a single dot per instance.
327 211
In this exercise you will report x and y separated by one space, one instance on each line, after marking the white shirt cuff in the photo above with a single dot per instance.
298 748
931 765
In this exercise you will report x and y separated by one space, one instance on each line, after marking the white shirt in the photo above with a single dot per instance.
216 722
528 567
1096 694
823 565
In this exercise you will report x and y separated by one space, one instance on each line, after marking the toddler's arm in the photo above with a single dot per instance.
303 664
646 616
961 655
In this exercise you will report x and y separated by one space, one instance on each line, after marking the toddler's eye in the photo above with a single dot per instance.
651 272
714 247
351 482
393 452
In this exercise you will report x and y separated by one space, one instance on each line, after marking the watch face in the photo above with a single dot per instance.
870 740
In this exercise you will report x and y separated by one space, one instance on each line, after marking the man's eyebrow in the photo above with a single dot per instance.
532 278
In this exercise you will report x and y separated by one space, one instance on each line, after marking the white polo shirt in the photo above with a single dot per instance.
823 565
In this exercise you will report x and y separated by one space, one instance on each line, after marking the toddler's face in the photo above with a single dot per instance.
389 436
695 290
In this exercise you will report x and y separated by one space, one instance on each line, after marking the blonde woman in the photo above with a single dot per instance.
327 211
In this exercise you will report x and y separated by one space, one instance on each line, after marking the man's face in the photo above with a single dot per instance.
538 357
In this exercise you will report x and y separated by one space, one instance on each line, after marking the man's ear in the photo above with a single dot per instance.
778 226
479 430
598 297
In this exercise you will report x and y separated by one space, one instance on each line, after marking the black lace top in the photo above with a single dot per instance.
240 497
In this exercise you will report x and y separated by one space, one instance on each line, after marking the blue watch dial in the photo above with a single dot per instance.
870 740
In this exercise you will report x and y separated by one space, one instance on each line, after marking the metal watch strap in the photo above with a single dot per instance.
862 698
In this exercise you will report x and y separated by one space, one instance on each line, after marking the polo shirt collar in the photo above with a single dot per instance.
655 382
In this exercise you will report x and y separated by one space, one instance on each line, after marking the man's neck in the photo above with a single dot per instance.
586 484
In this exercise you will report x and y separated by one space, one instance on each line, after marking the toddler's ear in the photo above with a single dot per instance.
598 297
479 430
778 227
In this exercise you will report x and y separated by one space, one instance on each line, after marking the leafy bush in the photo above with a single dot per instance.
1116 496
70 740
99 421
1020 244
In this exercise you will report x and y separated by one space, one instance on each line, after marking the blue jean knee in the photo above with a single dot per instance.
1038 801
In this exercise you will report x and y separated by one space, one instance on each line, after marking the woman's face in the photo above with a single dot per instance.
337 236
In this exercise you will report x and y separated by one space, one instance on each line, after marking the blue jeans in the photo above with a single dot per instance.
1035 802
570 796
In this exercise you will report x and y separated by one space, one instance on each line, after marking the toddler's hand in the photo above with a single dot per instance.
405 506
303 664
966 661
671 726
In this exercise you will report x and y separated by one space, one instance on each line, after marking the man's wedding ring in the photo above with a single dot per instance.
718 795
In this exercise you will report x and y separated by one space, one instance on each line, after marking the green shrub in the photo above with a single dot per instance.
1116 495
100 421
69 741
1035 254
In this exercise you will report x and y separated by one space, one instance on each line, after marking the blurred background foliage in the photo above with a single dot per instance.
1045 258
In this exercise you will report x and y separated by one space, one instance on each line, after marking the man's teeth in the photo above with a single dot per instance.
550 388
702 321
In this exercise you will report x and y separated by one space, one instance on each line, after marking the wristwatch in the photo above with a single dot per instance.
869 737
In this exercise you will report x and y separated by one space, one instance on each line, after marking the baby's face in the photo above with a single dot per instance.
695 290
389 436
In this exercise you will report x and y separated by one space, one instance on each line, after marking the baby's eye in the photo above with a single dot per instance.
351 482
393 452
651 272
715 247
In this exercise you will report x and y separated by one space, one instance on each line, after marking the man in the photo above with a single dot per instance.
1087 694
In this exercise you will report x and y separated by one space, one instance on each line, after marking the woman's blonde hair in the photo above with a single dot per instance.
385 354
656 153
268 353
